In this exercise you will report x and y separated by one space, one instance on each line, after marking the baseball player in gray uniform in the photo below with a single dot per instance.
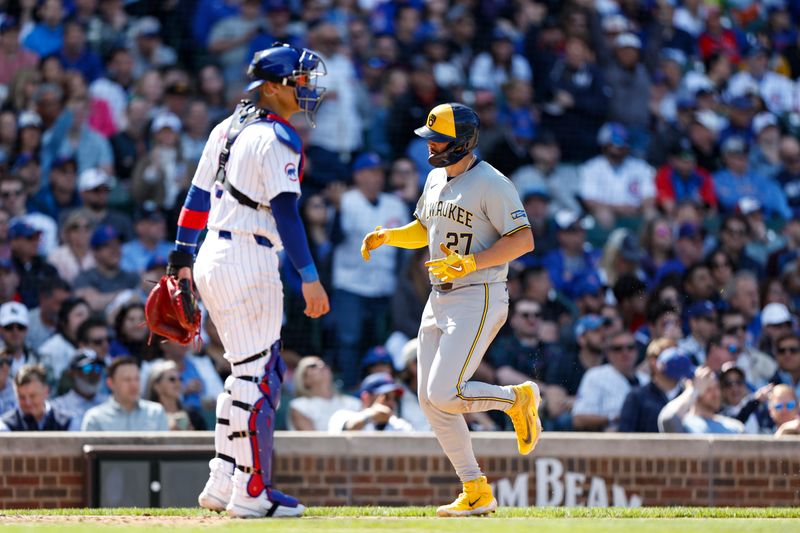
471 218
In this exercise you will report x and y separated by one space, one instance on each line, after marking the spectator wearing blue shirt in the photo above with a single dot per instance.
76 55
47 37
574 258
765 154
61 193
735 181
741 111
278 18
789 174
575 100
151 230
668 366
208 13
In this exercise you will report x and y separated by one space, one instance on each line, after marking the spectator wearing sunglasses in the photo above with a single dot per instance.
784 410
695 410
8 400
758 367
85 373
603 389
34 412
164 387
93 334
787 354
14 331
739 403
721 349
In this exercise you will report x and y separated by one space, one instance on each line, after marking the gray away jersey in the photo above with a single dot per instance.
469 214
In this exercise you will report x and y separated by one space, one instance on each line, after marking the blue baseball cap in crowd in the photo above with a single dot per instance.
376 356
675 364
587 286
614 134
536 191
703 308
103 235
688 230
380 383
20 229
589 323
744 103
367 160
7 22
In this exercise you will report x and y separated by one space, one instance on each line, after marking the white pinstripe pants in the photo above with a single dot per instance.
239 283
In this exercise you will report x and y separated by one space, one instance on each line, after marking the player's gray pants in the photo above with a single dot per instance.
456 329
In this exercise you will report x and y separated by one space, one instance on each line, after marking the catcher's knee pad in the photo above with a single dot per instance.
255 400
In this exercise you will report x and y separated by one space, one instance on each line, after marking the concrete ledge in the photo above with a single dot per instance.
580 445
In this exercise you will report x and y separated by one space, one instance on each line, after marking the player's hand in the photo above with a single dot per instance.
452 266
372 240
316 299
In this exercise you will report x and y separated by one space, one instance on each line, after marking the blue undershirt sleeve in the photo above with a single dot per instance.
290 228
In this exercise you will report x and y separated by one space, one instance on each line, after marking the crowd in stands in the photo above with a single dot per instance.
654 143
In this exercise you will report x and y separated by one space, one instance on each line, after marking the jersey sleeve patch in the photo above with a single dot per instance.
288 136
519 213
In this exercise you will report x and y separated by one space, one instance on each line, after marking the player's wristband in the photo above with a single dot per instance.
309 273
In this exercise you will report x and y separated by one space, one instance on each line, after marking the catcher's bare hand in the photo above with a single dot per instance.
372 240
316 299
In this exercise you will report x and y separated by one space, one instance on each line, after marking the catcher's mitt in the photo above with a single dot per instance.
171 310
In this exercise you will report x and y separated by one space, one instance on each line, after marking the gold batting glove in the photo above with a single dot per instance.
452 266
373 240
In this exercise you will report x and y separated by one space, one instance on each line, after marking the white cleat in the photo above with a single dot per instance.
242 506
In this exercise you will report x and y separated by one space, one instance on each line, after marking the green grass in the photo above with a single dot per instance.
413 520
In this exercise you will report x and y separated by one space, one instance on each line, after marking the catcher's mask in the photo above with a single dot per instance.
296 67
455 124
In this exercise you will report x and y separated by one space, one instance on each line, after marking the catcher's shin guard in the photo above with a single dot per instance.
256 397
217 492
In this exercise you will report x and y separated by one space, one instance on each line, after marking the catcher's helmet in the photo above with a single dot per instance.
295 67
453 123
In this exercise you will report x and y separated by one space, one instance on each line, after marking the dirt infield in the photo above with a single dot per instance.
148 520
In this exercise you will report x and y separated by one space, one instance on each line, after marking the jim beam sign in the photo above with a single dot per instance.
556 487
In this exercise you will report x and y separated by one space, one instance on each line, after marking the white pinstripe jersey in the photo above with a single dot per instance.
469 213
260 166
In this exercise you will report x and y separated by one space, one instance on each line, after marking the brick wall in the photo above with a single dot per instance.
566 469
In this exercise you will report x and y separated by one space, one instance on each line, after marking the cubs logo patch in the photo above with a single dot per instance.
291 171
431 120
518 214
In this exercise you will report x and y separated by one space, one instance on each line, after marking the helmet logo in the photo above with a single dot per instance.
431 120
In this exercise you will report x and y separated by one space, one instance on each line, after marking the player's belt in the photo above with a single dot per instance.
260 239
444 287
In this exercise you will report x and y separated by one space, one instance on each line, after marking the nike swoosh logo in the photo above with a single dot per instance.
472 504
527 439
459 269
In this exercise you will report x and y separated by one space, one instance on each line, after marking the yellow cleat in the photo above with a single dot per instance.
525 416
477 499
